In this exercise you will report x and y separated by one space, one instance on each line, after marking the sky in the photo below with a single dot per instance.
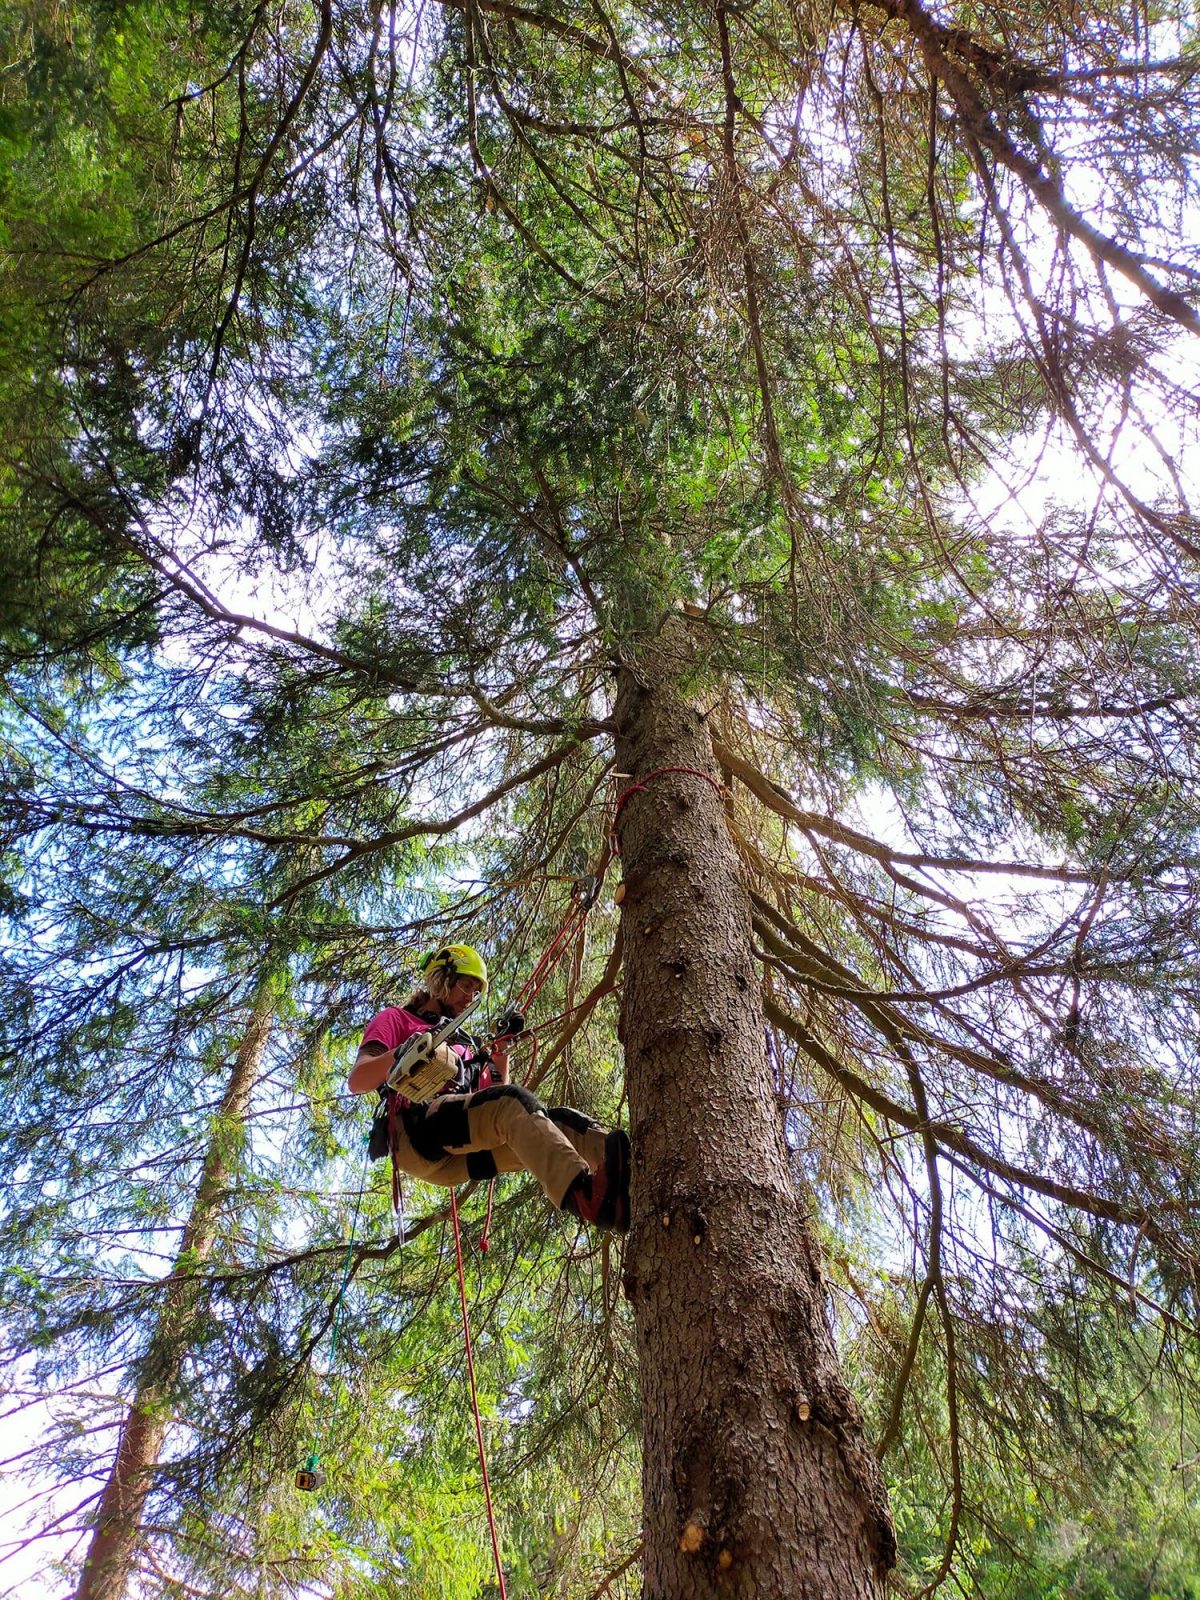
1048 470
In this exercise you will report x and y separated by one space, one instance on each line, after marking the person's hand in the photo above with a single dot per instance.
510 1024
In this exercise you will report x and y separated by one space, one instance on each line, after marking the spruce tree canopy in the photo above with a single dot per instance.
742 451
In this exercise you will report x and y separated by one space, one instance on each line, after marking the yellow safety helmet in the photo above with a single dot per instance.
456 961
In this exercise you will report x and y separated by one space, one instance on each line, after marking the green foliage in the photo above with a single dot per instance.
485 343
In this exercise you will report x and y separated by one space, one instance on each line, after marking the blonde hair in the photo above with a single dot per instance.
435 987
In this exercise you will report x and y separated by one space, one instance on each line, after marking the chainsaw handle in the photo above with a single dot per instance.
417 1050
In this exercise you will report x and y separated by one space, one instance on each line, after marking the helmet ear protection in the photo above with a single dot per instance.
456 961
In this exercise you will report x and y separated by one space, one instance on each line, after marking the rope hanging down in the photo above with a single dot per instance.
462 1295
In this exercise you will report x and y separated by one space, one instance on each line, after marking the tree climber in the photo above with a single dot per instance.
478 1123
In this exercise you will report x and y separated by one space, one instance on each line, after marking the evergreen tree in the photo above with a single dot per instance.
110 1554
657 402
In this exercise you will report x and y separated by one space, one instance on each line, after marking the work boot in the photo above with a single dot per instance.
602 1197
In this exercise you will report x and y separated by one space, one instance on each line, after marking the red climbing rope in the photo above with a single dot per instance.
487 1488
589 999
553 950
659 772
587 889
584 897
583 904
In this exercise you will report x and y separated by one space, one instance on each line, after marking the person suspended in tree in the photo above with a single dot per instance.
478 1123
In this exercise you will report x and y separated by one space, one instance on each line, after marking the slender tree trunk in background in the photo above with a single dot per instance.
110 1556
757 1481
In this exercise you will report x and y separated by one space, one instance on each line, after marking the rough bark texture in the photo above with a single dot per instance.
109 1563
758 1480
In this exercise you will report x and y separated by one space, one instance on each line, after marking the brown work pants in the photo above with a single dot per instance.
501 1129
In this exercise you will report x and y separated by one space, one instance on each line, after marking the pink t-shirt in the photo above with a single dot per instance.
393 1026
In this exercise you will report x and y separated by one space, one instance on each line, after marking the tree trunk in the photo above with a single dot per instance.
757 1480
106 1570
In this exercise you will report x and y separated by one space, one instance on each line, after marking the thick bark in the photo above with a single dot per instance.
757 1480
107 1568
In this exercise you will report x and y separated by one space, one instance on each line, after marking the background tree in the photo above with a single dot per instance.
682 388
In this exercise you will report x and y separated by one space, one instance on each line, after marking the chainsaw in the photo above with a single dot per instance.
417 1074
